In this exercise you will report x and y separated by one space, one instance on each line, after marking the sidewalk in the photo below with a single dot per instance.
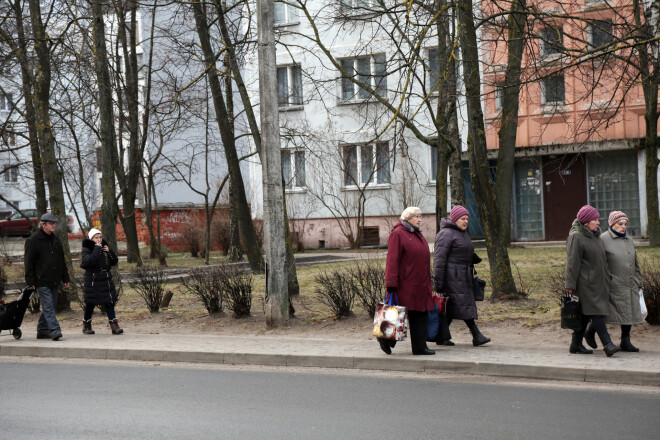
553 363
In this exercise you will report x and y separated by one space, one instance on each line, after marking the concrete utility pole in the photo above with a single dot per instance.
277 306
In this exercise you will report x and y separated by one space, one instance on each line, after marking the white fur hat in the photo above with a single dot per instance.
410 212
92 232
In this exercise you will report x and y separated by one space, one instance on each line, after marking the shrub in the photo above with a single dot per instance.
220 232
149 282
205 285
236 285
336 289
193 235
369 280
650 268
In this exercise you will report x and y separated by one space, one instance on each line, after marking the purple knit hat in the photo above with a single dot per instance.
587 213
457 212
615 216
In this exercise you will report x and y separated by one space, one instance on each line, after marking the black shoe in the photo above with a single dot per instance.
425 352
610 349
626 345
479 339
385 345
580 349
590 337
447 343
42 336
56 336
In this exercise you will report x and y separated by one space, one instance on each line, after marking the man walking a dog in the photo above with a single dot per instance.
45 270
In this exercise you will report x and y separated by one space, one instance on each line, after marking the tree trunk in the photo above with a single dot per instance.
482 181
27 81
233 165
294 287
52 171
277 307
106 128
509 128
235 250
456 167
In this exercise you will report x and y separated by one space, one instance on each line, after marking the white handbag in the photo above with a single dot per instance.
642 304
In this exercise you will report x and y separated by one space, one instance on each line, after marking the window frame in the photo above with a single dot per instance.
291 97
598 26
10 173
296 185
545 44
376 170
544 90
290 18
377 82
6 102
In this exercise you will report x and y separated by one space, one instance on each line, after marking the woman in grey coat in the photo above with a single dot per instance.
624 308
588 277
453 257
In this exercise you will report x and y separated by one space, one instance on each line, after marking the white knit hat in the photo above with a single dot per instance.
410 212
92 232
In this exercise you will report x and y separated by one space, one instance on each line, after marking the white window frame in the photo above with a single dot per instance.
5 102
10 174
290 14
295 184
376 83
544 45
498 94
291 97
543 91
356 7
374 169
590 28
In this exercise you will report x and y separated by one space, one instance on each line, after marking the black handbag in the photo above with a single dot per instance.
571 312
478 286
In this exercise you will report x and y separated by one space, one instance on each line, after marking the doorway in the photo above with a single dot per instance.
564 193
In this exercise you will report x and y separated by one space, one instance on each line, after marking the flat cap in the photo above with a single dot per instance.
48 217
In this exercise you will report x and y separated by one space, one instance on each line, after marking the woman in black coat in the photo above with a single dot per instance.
453 258
99 289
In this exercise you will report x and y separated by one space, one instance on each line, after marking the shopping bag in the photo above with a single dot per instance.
391 320
432 323
642 304
440 302
571 312
478 287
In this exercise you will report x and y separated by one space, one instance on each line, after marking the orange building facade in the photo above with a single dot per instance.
581 117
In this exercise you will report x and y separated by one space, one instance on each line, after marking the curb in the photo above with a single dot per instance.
590 375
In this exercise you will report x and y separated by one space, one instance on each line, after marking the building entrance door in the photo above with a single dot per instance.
564 192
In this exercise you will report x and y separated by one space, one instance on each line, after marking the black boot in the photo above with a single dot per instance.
590 336
610 349
87 327
114 326
626 345
385 345
577 347
477 338
447 343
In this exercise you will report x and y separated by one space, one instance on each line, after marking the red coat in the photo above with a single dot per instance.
408 268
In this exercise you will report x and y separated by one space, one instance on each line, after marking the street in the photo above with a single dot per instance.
92 399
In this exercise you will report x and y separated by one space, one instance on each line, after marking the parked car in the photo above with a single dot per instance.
16 224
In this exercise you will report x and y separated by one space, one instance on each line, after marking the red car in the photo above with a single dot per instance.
16 224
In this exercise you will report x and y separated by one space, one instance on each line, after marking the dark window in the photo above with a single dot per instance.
5 102
552 41
367 164
289 86
552 89
601 33
370 71
11 173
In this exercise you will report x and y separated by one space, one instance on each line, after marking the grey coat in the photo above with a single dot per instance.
452 270
624 306
586 269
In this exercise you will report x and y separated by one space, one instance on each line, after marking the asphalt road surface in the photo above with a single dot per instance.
95 400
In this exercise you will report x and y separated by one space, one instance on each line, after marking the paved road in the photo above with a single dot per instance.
84 400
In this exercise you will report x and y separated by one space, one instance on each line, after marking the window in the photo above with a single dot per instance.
369 70
289 86
600 33
5 102
9 139
285 14
356 7
11 173
293 169
499 95
434 68
552 90
551 41
366 164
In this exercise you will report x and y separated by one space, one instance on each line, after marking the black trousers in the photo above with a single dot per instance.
417 321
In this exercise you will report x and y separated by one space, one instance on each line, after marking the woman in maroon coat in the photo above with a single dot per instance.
408 275
453 257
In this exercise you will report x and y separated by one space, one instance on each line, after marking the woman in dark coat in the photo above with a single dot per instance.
99 289
453 258
588 277
408 276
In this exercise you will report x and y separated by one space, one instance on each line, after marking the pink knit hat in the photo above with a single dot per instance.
457 212
616 216
587 213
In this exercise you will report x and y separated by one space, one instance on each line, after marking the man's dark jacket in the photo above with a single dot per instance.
44 261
